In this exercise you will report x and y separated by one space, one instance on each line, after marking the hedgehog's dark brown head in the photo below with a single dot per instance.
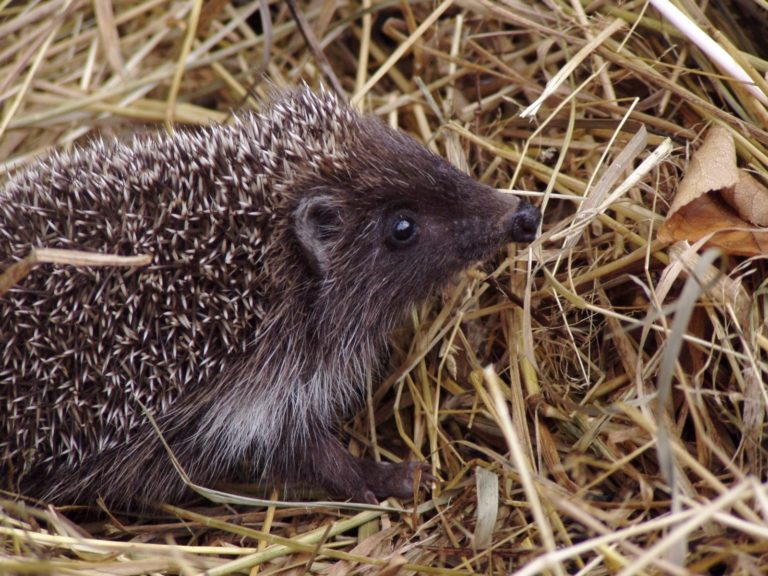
396 222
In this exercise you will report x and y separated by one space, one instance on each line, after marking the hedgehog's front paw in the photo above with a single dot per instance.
343 476
384 479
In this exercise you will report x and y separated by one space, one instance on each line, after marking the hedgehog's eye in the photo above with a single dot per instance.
402 231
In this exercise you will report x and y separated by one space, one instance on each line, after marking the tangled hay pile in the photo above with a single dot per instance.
594 404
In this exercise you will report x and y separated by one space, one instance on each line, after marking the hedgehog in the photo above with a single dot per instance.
285 248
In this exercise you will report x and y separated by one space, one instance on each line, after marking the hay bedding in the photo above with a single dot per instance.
595 404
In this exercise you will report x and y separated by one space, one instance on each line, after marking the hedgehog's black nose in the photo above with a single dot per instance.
522 224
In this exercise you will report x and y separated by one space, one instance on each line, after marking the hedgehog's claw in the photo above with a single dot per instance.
385 479
369 498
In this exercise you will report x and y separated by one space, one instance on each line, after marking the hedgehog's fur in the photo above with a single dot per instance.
262 315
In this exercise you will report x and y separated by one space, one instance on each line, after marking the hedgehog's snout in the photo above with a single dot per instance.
522 224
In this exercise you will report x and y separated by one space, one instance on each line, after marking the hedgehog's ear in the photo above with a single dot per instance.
317 222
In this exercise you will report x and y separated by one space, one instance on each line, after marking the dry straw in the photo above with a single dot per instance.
595 404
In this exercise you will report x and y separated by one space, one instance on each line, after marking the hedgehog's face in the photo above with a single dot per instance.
393 230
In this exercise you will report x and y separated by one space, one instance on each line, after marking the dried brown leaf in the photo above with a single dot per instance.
750 199
718 201
707 216
712 168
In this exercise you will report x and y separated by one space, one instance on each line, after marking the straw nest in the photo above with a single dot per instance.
594 404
